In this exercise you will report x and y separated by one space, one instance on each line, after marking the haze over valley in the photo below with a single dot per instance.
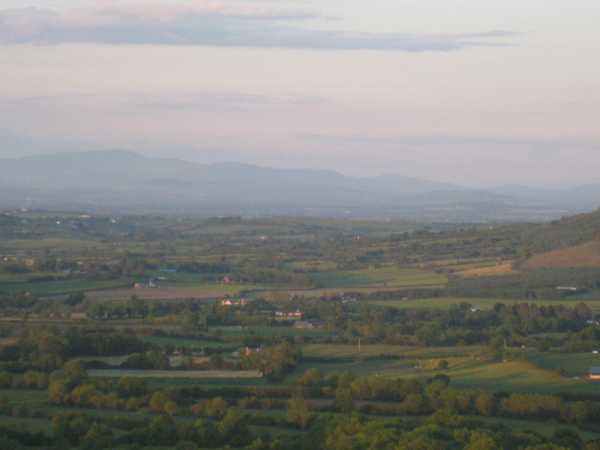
128 182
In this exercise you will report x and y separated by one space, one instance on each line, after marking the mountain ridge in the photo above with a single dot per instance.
122 180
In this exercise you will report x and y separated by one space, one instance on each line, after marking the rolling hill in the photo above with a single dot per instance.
124 181
569 242
582 255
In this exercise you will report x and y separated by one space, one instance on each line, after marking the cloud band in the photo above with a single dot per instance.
214 26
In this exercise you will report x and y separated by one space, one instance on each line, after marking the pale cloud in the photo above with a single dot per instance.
219 90
224 101
215 24
546 144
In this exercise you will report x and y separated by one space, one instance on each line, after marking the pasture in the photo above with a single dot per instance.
28 397
476 302
200 291
62 287
266 331
189 343
32 425
392 277
375 367
573 364
382 350
516 376
468 368
176 374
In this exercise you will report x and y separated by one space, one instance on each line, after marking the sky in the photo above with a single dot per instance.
477 92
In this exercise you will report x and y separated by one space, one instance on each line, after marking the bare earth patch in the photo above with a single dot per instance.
505 268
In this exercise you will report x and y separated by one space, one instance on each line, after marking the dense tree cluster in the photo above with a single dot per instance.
273 362
47 348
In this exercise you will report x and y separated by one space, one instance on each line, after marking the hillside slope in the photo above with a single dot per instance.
570 242
566 232
582 255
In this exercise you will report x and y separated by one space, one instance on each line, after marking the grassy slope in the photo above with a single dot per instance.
467 368
567 232
516 376
583 255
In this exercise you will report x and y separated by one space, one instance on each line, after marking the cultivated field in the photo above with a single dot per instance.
279 266
206 291
383 277
505 268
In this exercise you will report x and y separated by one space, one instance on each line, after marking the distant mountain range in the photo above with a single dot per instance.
126 182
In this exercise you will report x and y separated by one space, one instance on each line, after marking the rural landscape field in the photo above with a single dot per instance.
299 225
283 333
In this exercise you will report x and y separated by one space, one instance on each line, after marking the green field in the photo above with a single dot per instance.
51 244
546 428
176 374
313 265
479 303
516 376
27 424
62 287
266 331
388 361
467 367
392 369
383 277
24 277
376 350
175 292
574 364
23 396
186 342
285 264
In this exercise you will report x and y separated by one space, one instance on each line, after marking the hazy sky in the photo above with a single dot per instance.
479 92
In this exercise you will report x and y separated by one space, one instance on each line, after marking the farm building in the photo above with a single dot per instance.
151 284
234 302
79 316
567 288
250 350
294 315
595 373
309 324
